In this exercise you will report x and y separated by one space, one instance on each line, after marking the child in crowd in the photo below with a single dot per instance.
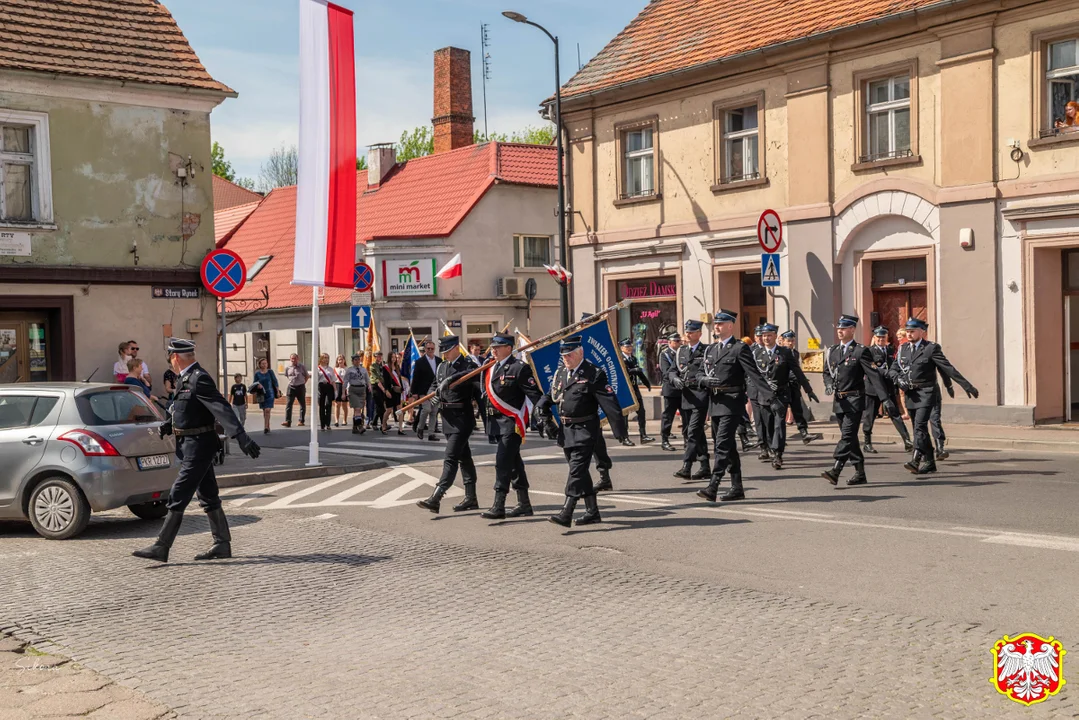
134 377
238 397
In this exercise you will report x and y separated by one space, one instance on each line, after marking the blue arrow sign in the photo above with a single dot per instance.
769 269
361 317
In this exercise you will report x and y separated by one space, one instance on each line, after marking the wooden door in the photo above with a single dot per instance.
24 348
895 305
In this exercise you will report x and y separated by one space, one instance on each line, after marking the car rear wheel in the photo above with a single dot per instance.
150 510
58 510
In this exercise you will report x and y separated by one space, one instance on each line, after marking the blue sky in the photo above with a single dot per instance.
252 46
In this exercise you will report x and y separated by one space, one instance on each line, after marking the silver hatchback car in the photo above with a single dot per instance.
69 449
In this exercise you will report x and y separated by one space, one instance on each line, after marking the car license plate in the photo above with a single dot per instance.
152 462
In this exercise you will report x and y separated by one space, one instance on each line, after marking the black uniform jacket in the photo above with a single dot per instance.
512 382
781 371
198 403
455 403
728 369
847 374
423 377
755 350
667 361
579 395
883 356
636 374
688 367
918 367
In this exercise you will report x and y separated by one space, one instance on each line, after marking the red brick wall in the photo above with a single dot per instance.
453 99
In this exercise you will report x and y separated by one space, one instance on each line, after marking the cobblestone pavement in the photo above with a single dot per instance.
36 684
320 619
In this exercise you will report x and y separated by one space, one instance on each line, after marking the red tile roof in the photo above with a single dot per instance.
671 35
421 198
229 194
133 40
227 221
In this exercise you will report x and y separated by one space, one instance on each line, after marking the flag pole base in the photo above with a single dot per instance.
312 457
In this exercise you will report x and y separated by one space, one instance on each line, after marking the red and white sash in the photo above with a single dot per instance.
519 415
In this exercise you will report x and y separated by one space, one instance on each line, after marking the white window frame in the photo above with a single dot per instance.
730 137
496 322
259 266
41 169
519 251
631 155
890 107
1051 75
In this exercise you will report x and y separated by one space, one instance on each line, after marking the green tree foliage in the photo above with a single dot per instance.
221 167
361 162
417 143
541 135
281 169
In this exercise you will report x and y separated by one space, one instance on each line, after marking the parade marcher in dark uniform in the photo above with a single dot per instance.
636 376
580 389
507 385
780 370
672 396
936 429
684 376
197 404
915 372
728 368
458 422
883 356
789 339
756 349
848 369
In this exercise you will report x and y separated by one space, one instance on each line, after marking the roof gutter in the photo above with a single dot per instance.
761 51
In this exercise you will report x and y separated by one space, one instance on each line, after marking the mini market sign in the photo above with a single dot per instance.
405 278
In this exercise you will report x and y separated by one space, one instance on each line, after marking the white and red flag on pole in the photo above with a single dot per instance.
559 273
326 192
451 269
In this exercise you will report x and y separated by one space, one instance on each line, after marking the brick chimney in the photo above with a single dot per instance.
453 99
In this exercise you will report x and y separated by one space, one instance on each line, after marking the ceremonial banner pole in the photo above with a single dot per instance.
312 454
556 335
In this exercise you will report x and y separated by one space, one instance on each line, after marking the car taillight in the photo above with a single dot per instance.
90 443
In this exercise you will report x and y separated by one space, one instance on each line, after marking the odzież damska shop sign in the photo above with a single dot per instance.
646 289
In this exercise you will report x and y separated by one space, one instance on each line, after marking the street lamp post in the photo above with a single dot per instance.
564 297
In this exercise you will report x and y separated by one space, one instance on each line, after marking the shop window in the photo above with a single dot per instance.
25 174
531 251
638 160
652 315
740 143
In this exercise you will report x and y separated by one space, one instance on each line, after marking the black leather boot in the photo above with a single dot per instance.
565 515
777 461
523 508
666 445
914 463
867 446
470 502
356 424
645 439
901 428
627 442
832 475
735 492
498 508
705 472
709 493
434 502
591 515
859 477
929 465
219 530
160 549
942 453
764 455
686 472
808 437
604 481
743 436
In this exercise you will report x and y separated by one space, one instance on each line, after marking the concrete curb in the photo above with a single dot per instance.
266 477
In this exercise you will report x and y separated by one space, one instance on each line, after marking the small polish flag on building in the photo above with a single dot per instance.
326 192
451 269
559 273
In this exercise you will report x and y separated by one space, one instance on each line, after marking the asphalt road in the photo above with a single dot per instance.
418 614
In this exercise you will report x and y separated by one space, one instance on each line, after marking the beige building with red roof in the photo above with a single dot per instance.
106 206
493 203
919 152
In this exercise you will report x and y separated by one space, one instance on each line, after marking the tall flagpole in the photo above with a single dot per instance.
312 455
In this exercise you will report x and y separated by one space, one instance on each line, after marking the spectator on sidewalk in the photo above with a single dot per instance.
134 369
238 398
423 377
264 390
297 376
130 349
169 383
378 392
340 393
391 391
327 384
358 387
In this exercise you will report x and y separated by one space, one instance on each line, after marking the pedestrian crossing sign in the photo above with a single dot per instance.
770 269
